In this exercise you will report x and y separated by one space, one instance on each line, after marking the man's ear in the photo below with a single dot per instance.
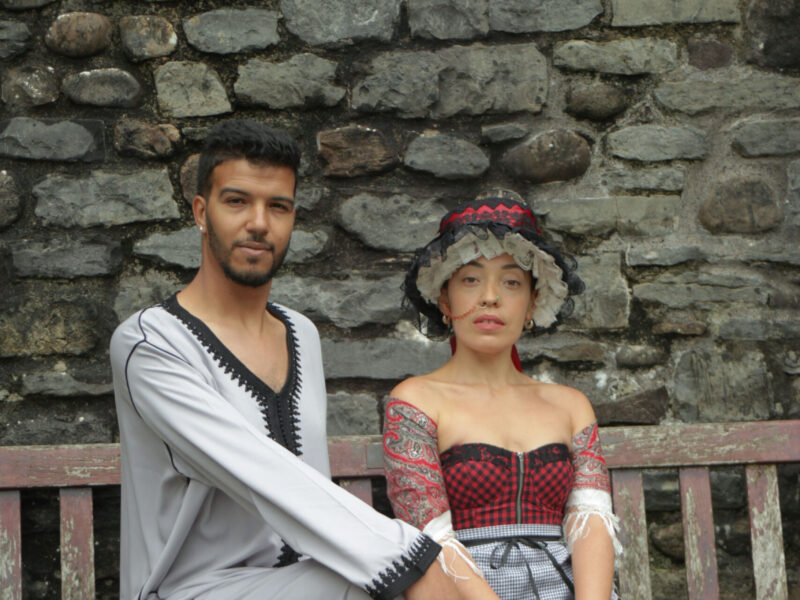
199 211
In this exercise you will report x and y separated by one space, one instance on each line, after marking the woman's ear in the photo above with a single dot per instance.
444 301
531 305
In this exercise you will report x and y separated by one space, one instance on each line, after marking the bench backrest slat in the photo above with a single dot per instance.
698 533
766 534
634 567
59 466
701 444
77 544
10 546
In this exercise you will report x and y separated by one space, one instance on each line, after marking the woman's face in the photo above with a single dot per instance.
489 301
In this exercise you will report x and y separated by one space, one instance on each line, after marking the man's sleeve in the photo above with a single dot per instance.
212 442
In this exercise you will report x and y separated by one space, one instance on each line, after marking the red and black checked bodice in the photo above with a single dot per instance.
488 485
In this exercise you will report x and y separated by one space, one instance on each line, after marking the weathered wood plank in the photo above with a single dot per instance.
59 466
10 547
77 544
634 571
698 533
702 444
360 488
766 534
355 456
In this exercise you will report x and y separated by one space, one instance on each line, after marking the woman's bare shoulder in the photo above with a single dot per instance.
419 392
573 401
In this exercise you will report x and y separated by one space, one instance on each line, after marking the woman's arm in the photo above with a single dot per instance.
416 491
589 523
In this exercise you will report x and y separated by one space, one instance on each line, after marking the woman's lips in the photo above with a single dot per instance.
488 322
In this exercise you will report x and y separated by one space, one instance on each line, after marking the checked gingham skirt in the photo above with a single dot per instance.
522 562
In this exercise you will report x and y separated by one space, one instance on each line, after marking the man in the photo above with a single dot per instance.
220 397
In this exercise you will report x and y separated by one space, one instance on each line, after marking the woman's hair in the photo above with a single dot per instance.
244 138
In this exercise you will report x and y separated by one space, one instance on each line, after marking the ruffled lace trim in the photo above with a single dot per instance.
441 530
551 288
582 504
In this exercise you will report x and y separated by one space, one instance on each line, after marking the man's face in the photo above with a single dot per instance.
248 219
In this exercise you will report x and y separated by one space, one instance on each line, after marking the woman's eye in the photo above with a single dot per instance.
513 283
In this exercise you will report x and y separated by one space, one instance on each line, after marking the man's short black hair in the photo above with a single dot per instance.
248 139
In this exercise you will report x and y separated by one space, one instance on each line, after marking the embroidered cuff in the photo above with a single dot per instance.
392 581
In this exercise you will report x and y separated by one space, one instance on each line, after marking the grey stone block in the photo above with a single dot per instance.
346 303
353 414
470 80
627 215
228 31
448 19
374 220
103 87
741 205
656 142
180 248
105 198
620 57
329 23
606 302
767 137
304 80
382 358
634 13
555 155
668 179
562 347
138 291
190 89
66 258
445 156
61 384
525 16
733 89
52 139
712 386
136 138
306 245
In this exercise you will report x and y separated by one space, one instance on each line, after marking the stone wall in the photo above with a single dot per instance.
660 140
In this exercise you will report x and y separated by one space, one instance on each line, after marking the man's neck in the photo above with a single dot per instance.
214 298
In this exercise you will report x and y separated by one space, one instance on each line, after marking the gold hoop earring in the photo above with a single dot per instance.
529 324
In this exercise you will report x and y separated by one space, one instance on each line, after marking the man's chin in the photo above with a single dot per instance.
253 279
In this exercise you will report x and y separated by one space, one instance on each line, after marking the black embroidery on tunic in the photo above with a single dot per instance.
391 582
280 411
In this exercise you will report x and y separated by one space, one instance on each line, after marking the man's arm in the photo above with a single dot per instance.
212 442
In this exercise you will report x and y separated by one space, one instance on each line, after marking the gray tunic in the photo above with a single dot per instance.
223 477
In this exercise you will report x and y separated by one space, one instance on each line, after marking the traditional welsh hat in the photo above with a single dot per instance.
495 223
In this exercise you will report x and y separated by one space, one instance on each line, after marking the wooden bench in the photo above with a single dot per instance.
356 459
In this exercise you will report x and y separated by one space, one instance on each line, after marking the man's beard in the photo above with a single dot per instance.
248 278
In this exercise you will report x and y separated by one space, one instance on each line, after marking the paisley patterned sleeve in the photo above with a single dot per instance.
591 488
414 480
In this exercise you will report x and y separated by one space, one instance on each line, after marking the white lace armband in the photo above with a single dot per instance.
440 529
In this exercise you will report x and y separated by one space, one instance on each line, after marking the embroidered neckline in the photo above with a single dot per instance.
391 582
279 410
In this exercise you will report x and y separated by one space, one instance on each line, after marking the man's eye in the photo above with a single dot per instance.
234 200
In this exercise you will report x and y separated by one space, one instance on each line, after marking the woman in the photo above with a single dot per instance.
478 451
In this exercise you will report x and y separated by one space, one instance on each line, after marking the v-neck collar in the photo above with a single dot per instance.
279 409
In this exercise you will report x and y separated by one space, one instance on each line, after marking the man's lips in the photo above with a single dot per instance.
254 248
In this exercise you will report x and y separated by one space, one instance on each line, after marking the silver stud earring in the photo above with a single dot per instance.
200 227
